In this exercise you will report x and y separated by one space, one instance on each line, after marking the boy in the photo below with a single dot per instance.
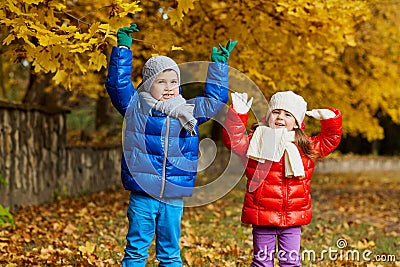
160 144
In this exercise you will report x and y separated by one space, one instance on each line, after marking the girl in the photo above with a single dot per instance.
279 160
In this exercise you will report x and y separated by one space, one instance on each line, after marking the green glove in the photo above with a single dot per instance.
124 35
223 55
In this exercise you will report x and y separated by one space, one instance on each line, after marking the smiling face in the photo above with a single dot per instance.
165 86
280 118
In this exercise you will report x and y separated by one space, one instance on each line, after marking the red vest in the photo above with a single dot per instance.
271 198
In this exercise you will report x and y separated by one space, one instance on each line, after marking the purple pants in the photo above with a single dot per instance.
264 243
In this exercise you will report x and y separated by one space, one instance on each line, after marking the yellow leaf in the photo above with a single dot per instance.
24 35
80 36
364 244
51 20
44 40
45 60
6 21
93 29
98 60
176 16
50 39
13 8
174 48
8 39
39 29
280 7
131 8
186 5
80 47
57 5
88 248
35 2
60 77
350 40
258 75
189 258
80 66
69 29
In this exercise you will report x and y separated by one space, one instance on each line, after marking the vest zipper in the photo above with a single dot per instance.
163 177
285 195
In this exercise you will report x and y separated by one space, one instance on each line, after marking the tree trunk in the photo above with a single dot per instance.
105 115
375 147
36 92
2 81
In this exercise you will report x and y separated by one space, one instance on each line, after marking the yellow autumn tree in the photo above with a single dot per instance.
342 54
65 39
363 81
337 53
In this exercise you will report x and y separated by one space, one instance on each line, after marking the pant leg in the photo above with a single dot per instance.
168 231
142 211
289 243
264 242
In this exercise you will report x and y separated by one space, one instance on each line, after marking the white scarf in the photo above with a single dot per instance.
175 107
271 144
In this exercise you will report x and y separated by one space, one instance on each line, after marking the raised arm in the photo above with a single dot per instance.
216 87
331 130
234 134
118 83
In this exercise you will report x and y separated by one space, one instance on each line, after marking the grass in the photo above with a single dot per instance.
360 208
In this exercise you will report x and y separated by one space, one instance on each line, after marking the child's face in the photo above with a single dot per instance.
165 86
280 118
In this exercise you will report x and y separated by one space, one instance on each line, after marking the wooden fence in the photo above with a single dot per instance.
37 164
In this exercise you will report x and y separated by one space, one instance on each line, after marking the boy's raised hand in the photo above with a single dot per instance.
321 114
222 55
124 37
240 103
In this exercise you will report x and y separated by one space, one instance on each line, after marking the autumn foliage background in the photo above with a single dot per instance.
335 53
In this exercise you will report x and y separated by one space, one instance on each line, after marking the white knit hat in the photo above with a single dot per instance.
288 101
154 66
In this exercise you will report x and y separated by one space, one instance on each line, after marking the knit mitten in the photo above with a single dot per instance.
124 35
321 114
223 55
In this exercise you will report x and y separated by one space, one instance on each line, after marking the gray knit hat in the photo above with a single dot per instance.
154 66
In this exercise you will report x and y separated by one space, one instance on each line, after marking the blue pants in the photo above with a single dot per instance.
264 242
148 217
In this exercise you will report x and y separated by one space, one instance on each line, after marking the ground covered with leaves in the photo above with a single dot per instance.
355 223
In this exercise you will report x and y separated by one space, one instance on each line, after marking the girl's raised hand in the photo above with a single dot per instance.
240 103
321 114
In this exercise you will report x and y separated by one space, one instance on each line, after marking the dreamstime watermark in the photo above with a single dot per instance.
339 253
343 253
